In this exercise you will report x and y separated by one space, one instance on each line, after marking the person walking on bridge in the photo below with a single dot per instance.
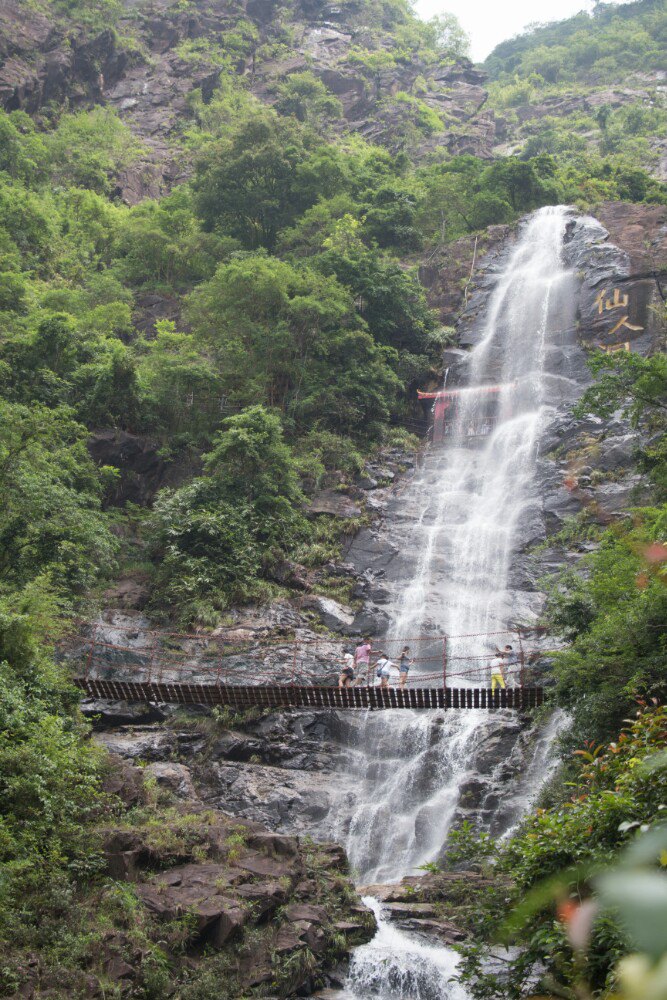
362 658
404 666
497 674
383 670
510 664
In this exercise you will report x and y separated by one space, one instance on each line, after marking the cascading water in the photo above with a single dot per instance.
409 968
474 502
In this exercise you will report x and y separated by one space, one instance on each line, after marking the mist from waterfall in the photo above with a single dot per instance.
474 501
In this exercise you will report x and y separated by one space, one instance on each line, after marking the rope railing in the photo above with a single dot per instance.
292 661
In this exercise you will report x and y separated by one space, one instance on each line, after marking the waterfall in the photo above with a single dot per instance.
474 505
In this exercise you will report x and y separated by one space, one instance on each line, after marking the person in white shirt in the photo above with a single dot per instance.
511 670
346 678
383 670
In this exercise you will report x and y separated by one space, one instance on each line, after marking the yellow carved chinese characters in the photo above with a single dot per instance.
618 300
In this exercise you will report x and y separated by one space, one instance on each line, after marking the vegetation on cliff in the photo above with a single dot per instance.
588 87
612 610
282 257
575 880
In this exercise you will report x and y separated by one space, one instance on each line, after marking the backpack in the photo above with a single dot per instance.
378 672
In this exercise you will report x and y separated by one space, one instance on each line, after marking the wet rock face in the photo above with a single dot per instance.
623 270
284 770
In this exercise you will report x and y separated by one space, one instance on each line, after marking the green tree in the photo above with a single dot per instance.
489 209
390 299
49 774
249 184
22 151
288 337
88 147
29 224
525 185
250 457
219 535
447 37
162 243
391 219
180 387
304 96
207 557
107 389
614 617
50 522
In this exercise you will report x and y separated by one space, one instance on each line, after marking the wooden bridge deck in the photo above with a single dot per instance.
295 696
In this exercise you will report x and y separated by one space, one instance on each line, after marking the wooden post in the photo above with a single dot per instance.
522 660
294 664
151 657
444 662
89 659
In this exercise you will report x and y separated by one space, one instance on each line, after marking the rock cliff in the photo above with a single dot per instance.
149 68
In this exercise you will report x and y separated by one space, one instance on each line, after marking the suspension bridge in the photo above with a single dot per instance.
241 671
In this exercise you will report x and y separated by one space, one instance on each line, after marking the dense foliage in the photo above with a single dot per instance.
588 86
608 43
216 536
570 924
613 611
48 776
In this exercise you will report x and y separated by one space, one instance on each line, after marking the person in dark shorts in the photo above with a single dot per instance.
346 678
404 665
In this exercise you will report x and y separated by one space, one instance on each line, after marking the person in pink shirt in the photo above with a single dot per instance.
362 658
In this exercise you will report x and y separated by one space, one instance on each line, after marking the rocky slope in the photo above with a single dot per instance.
222 904
149 68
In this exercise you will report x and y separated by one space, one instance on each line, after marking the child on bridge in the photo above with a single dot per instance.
404 666
346 678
